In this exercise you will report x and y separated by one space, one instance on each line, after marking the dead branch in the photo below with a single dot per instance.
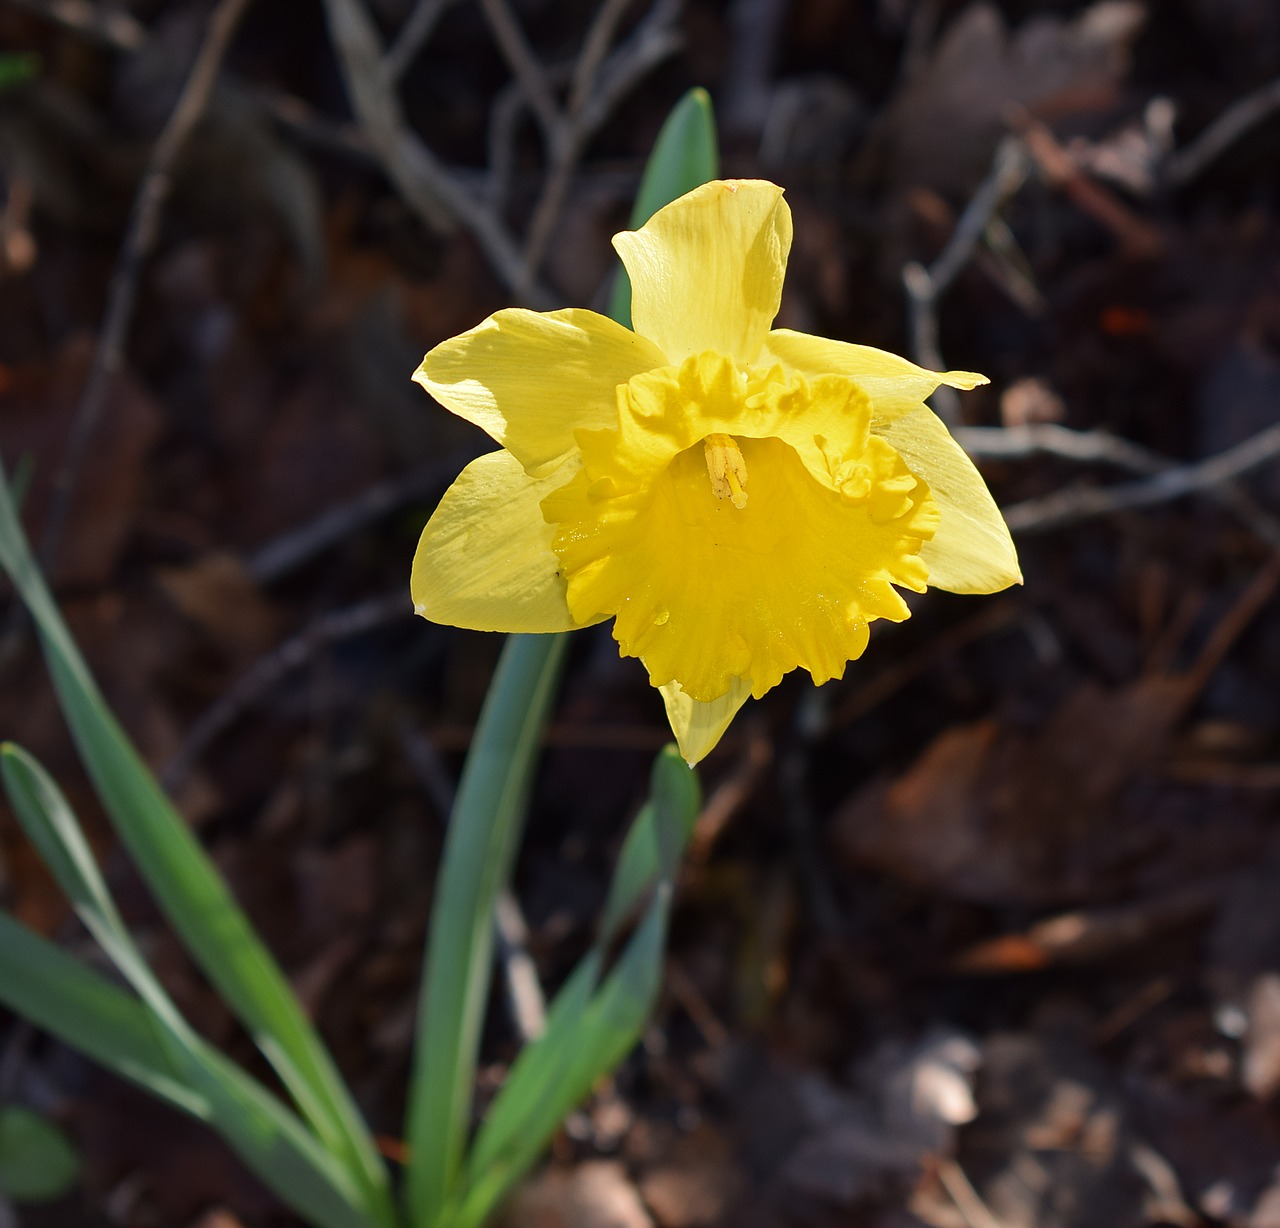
252 687
438 198
419 27
144 221
297 547
925 286
112 27
1187 164
1075 505
1101 447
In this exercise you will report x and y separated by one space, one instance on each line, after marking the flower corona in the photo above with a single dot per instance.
741 501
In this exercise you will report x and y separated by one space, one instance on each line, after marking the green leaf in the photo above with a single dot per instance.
589 1030
656 840
190 890
273 1142
37 1161
41 982
685 156
480 846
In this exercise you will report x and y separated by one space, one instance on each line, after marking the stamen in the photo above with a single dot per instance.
727 469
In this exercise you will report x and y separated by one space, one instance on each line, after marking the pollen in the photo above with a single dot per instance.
727 469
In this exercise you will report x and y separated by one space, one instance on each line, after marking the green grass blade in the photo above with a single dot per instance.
685 156
44 984
594 1042
656 841
190 890
588 1031
288 1158
480 845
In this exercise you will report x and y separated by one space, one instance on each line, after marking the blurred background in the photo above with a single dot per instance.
986 935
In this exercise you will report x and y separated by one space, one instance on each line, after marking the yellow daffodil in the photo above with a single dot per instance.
741 501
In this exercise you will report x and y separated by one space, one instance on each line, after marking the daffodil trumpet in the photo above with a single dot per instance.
740 500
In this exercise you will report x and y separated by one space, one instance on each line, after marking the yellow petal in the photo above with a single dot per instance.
706 591
698 726
532 378
484 560
971 552
895 386
706 271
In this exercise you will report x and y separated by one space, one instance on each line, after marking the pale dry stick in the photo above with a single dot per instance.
144 221
925 286
525 998
297 547
652 41
257 681
1047 438
976 1213
1185 165
1101 447
1072 506
594 49
526 66
590 107
418 27
436 196
114 28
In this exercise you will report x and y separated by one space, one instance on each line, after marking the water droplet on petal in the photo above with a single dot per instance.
660 618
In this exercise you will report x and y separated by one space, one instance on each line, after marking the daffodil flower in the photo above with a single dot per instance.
741 501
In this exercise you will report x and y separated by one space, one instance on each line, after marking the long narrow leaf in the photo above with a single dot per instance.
190 890
483 835
588 1031
592 1044
44 984
685 155
273 1141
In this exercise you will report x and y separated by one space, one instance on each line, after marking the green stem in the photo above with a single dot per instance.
480 847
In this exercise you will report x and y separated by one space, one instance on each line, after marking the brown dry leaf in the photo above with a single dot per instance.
942 128
598 1194
218 596
696 1184
998 816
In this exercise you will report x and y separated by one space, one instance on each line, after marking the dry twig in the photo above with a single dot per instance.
1072 506
140 237
1229 127
254 685
1101 447
925 286
299 546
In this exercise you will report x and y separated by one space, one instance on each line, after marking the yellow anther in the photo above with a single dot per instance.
727 469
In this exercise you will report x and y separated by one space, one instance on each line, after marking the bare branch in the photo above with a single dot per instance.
1219 136
1072 506
267 672
144 221
594 48
413 34
925 286
525 65
436 196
